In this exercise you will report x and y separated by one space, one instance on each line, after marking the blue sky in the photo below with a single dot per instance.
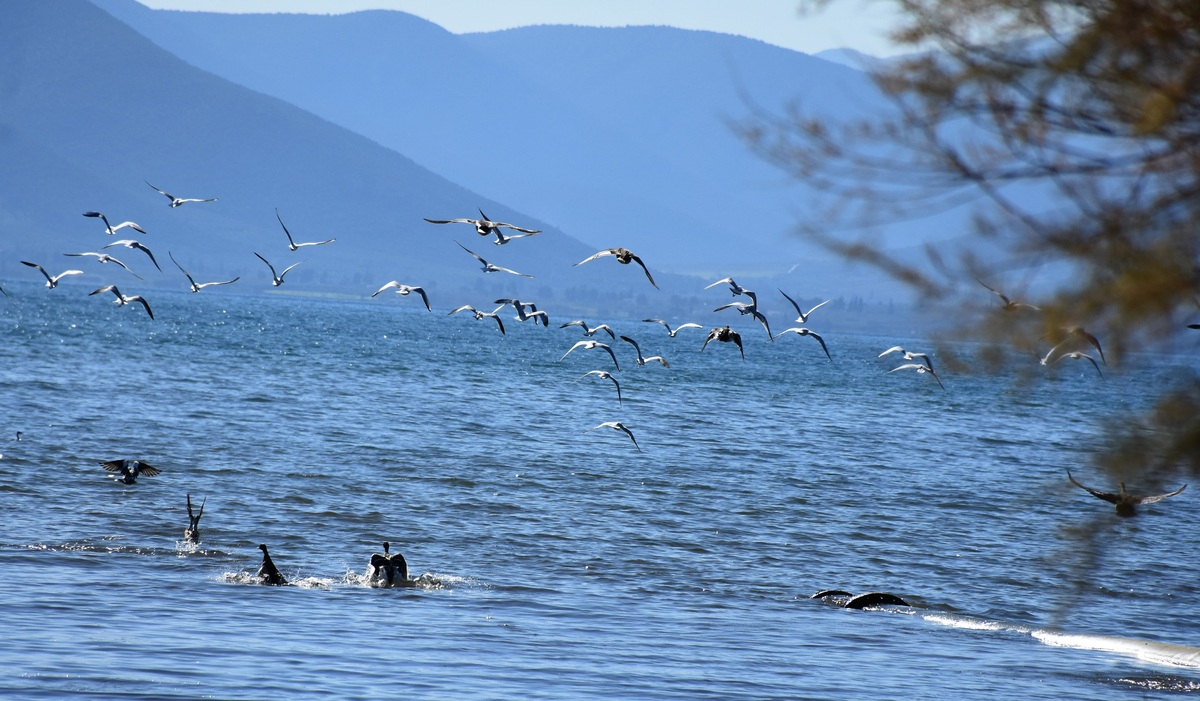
857 24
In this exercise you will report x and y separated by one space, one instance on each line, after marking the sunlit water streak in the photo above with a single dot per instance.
559 562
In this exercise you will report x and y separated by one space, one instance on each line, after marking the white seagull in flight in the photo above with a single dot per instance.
482 315
110 229
620 427
105 258
176 201
136 245
802 316
292 245
122 299
196 287
52 281
405 290
805 332
593 344
604 375
671 332
277 280
488 267
624 256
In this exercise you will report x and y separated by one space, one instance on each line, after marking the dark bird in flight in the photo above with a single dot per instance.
624 256
129 470
725 335
488 227
1124 501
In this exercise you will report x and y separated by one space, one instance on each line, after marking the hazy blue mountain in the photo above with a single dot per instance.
90 110
618 136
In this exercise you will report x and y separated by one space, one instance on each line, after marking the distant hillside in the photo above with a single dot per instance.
90 110
619 136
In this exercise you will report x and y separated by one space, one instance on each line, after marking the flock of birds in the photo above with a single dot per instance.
388 569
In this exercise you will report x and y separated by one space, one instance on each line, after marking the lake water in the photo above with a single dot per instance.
558 562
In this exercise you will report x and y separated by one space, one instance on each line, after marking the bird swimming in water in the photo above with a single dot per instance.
624 256
191 534
268 573
129 470
488 227
725 334
387 570
52 281
671 332
112 230
604 375
1124 501
482 315
801 315
277 280
590 345
177 201
194 286
405 290
847 600
617 425
292 245
806 332
123 299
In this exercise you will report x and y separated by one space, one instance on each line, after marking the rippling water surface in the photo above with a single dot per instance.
558 562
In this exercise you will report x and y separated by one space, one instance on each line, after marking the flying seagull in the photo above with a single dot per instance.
277 280
122 299
620 427
405 290
752 310
1072 337
604 375
593 344
488 227
1124 501
921 369
522 315
640 360
268 573
292 245
907 355
129 470
387 570
590 330
802 316
735 288
176 201
191 534
105 258
671 332
805 332
110 229
481 315
1009 305
624 256
52 282
137 246
725 335
488 267
1075 355
196 287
